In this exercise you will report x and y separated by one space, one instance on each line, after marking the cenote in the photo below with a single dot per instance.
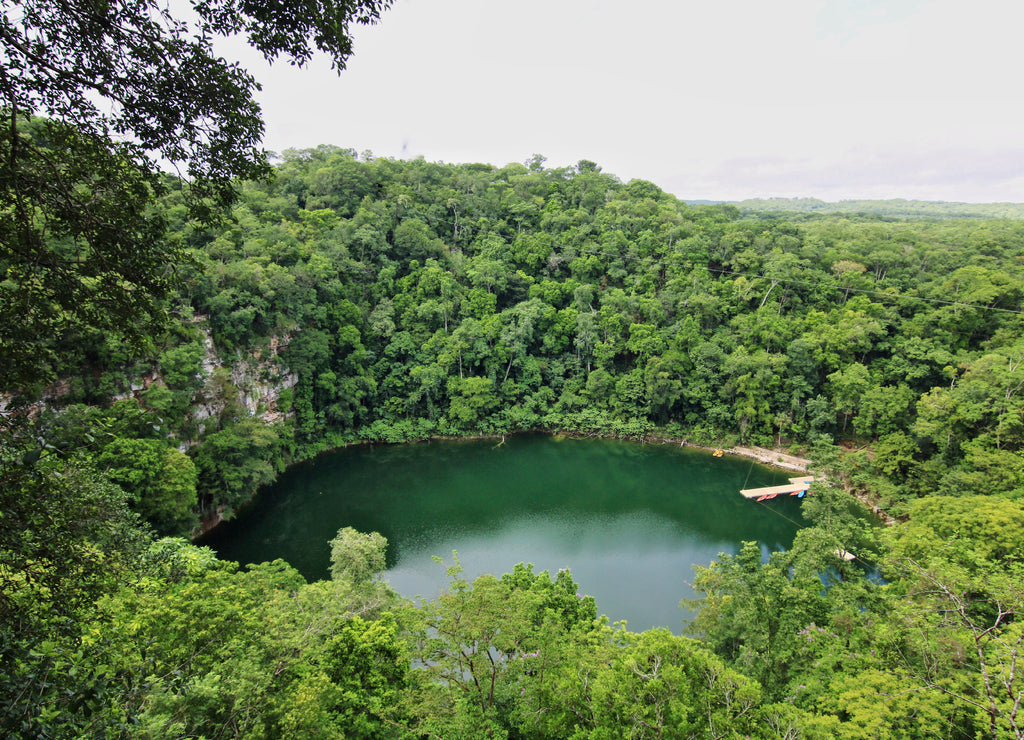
628 520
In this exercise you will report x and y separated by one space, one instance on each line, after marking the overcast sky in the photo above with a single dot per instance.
725 99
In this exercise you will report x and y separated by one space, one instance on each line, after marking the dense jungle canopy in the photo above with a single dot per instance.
397 300
410 299
161 362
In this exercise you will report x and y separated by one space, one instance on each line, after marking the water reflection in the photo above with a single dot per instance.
628 520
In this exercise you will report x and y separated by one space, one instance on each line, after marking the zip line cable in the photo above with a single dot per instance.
865 290
803 526
811 283
749 471
795 281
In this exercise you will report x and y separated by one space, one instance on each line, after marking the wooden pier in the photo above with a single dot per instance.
795 487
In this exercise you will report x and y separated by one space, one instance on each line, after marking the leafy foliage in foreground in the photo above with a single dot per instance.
95 100
182 644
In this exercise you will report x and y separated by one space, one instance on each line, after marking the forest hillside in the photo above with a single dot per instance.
351 299
370 299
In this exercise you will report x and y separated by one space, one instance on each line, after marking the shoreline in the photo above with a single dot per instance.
773 457
762 455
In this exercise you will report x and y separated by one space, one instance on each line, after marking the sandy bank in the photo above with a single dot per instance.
772 457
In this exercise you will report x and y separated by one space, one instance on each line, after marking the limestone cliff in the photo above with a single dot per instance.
252 383
256 381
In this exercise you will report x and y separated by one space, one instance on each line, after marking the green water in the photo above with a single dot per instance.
628 520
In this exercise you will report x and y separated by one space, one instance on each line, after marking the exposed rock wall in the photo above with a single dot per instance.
256 380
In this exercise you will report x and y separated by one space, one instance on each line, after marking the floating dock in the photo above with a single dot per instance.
795 487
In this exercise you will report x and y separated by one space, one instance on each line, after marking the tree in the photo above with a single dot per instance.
848 385
959 635
955 629
477 642
80 244
362 671
611 683
195 647
357 558
470 398
121 87
234 462
161 480
66 538
879 704
752 612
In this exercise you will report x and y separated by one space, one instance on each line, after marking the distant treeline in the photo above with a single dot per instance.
894 208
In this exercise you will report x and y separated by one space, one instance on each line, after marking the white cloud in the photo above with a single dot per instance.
714 100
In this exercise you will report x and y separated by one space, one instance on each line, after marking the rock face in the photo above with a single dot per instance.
254 382
257 380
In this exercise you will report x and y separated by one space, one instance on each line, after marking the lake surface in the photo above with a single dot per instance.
629 520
